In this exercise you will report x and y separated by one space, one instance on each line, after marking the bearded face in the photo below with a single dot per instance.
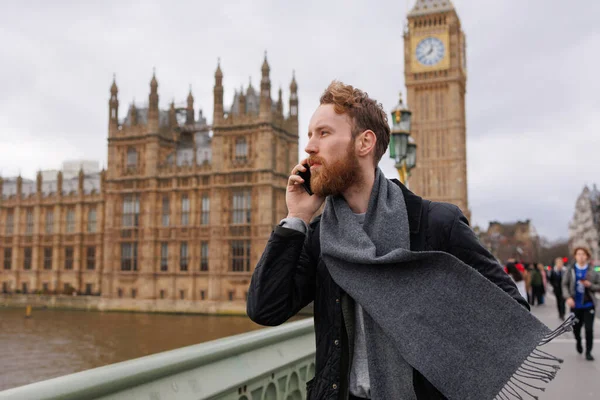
332 178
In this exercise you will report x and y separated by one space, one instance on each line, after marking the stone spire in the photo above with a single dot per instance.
172 115
242 97
114 90
153 98
280 103
218 94
38 182
133 113
19 185
154 82
113 108
265 89
250 89
80 180
189 117
294 97
153 104
265 67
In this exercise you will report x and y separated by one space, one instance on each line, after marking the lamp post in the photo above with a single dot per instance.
403 148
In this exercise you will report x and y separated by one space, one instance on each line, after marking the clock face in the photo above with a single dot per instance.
430 51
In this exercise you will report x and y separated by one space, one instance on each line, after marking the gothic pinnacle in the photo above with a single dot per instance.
113 88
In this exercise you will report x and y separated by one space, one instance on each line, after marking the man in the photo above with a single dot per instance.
556 278
407 303
580 282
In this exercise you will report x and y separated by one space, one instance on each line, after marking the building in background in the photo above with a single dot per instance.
436 78
518 240
584 228
51 233
182 212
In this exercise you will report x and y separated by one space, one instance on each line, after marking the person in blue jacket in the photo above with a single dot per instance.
580 283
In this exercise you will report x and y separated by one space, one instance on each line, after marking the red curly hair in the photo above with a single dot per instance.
364 112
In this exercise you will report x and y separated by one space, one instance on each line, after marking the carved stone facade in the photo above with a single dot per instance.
436 77
51 233
182 212
584 229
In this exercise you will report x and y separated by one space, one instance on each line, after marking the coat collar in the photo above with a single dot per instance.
414 207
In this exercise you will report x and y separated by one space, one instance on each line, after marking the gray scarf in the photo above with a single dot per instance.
429 310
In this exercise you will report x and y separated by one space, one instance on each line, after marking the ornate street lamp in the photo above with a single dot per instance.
403 148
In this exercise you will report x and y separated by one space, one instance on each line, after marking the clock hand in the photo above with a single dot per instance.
430 51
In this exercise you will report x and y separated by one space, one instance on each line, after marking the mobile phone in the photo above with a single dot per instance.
306 176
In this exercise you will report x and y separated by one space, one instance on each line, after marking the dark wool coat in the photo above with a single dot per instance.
291 274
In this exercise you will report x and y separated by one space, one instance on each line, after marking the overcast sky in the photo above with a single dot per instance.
533 90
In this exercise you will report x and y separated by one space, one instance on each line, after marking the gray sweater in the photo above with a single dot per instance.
359 384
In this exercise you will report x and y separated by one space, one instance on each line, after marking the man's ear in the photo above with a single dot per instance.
365 143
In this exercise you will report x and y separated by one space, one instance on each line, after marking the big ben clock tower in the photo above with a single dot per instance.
436 78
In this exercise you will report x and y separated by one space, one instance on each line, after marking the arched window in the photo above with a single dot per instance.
131 158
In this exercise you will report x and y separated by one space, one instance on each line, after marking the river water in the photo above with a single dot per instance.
58 342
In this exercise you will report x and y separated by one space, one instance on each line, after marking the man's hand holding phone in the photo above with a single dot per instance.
300 203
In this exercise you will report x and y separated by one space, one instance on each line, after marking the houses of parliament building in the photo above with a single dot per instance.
182 212
184 209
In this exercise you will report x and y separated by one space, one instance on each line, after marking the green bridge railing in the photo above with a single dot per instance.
269 364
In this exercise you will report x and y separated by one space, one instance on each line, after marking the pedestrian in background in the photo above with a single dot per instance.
517 277
538 284
556 278
580 282
527 276
542 268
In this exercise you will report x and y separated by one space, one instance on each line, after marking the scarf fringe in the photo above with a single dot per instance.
539 366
